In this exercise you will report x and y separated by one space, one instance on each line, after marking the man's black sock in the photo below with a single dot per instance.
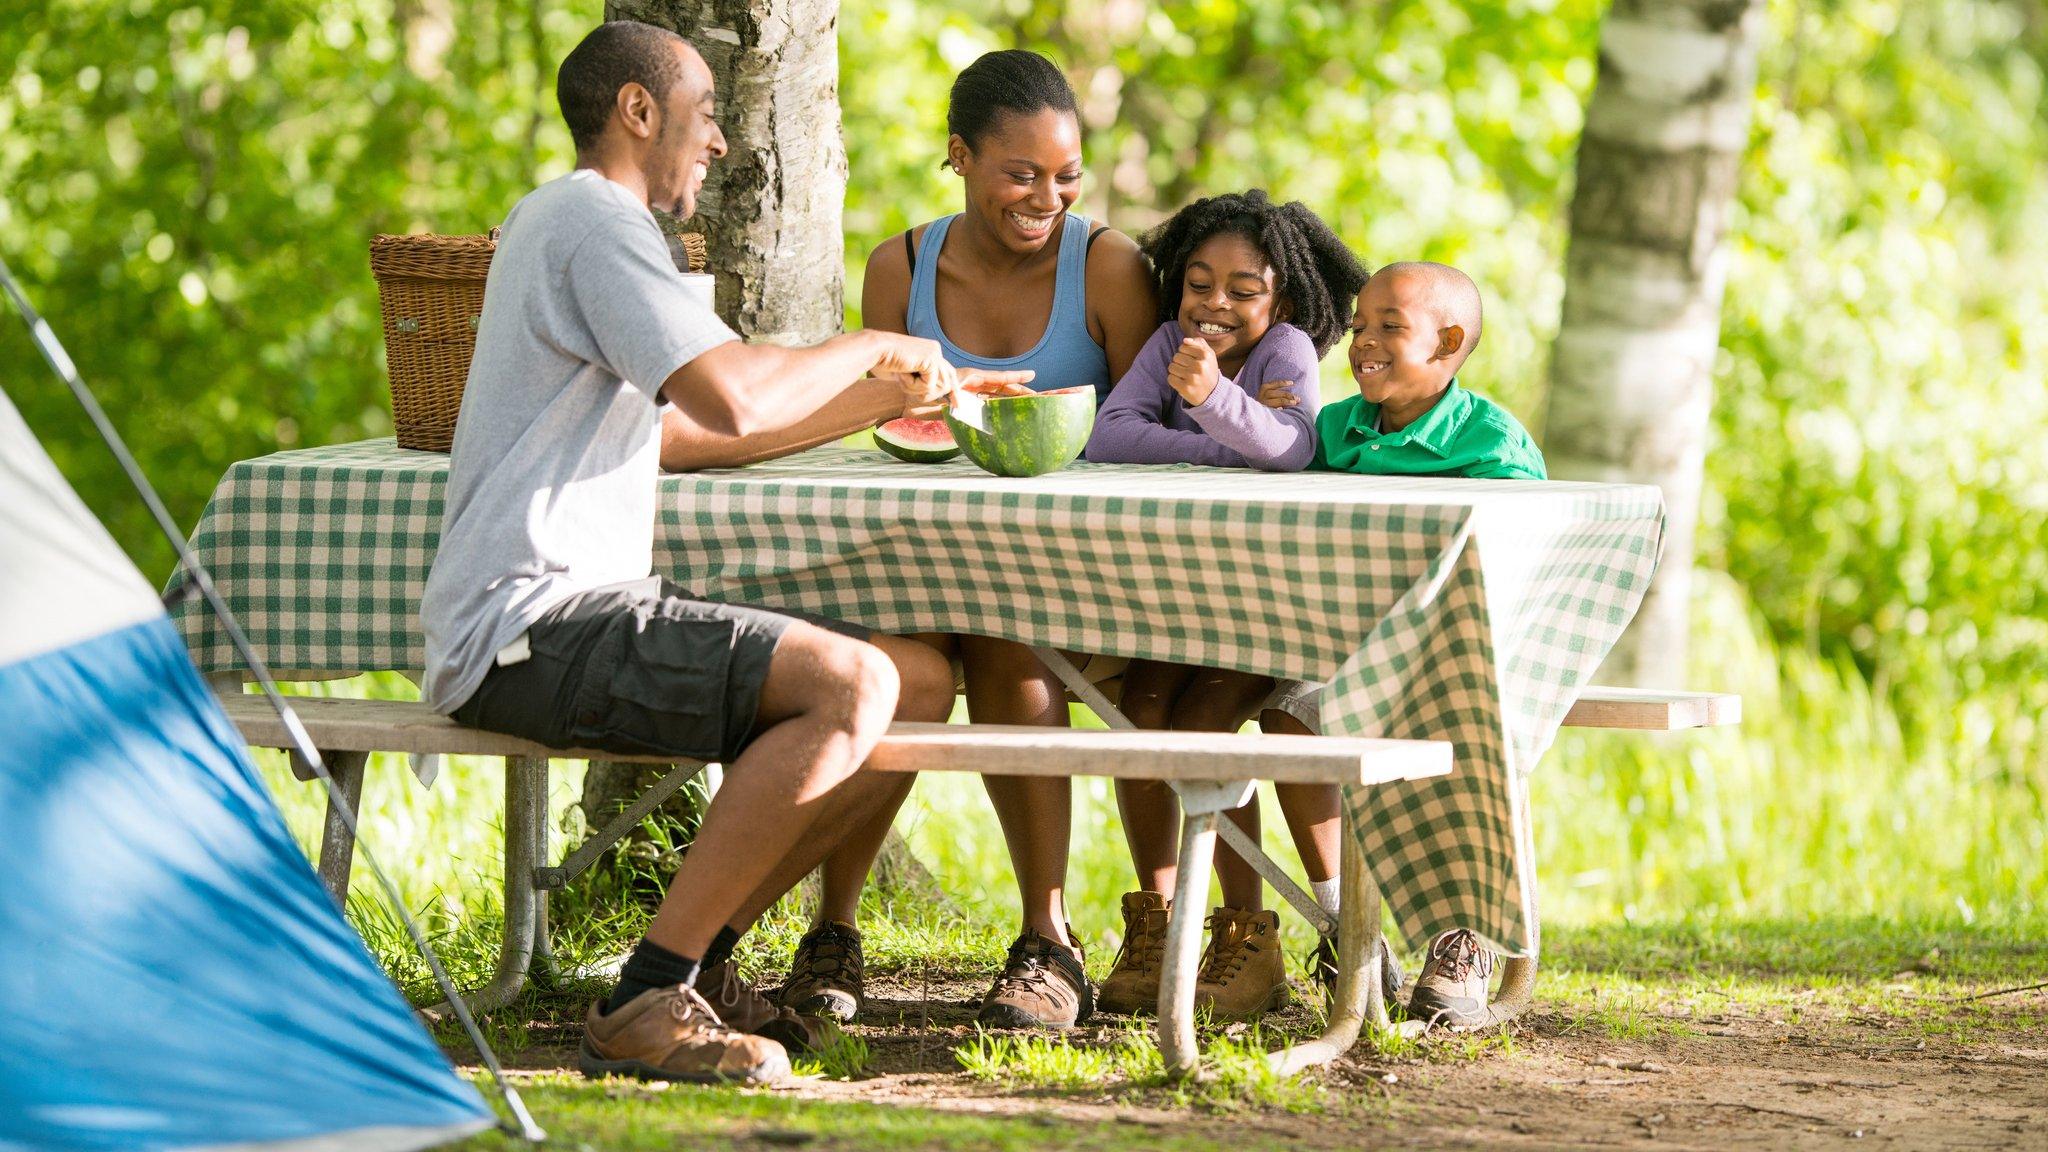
649 967
721 947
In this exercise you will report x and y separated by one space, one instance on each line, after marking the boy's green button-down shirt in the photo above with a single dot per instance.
1464 434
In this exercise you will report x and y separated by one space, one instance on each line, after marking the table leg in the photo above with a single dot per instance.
337 842
1360 1000
526 837
1517 988
1271 872
1184 945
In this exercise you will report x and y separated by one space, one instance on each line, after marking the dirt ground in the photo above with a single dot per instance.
1943 1075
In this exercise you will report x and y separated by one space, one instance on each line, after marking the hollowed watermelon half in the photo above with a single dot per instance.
918 441
1029 435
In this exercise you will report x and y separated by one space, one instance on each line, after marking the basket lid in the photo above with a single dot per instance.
425 256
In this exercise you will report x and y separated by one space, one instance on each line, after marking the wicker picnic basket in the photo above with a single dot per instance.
431 290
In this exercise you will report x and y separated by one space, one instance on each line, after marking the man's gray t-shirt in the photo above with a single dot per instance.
551 483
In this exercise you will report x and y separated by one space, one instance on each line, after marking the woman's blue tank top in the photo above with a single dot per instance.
1064 357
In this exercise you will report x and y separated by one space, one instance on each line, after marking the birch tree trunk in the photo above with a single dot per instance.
771 209
1631 373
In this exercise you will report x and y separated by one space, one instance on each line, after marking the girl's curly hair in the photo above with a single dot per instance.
1313 272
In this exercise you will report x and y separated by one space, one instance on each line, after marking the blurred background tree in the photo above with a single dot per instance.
188 189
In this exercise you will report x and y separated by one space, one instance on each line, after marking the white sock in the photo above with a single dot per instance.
1325 892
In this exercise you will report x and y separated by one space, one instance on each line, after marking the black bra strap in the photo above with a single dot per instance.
910 249
1099 230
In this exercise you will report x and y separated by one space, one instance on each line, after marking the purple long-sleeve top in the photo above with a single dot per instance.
1145 421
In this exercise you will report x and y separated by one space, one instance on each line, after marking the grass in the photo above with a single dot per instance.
628 1118
1812 865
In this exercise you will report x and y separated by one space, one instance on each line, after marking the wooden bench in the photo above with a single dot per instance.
1213 774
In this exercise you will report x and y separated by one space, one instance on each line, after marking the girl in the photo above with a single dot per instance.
1252 294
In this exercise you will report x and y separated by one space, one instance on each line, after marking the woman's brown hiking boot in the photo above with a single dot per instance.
1133 982
1042 986
1244 973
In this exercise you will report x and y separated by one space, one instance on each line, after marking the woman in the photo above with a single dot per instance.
1016 280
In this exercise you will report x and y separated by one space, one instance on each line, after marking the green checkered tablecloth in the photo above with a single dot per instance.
1464 610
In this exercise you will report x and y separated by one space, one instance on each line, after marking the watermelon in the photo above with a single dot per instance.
918 441
1029 435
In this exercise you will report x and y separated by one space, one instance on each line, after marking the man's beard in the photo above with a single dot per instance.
674 176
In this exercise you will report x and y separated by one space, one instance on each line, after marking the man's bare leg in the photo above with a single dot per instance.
825 703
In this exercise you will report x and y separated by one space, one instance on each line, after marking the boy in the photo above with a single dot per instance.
1415 325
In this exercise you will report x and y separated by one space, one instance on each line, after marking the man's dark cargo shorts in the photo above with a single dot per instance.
639 668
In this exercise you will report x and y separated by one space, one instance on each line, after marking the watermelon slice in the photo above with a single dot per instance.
988 388
918 441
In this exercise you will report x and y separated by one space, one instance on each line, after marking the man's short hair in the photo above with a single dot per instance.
615 54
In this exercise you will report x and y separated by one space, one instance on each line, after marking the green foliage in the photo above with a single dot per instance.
188 192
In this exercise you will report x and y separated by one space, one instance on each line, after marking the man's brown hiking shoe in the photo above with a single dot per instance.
1244 973
1452 987
825 976
745 1010
672 1034
1042 986
1133 981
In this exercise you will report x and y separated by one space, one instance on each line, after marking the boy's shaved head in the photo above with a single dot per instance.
1451 293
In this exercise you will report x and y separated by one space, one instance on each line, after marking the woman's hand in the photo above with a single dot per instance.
1193 372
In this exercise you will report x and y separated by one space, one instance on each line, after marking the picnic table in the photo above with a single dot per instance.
1467 611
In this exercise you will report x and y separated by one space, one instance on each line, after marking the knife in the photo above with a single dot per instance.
970 409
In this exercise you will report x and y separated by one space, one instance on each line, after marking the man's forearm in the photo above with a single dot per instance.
687 445
742 390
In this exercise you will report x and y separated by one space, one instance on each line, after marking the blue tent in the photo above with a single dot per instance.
172 974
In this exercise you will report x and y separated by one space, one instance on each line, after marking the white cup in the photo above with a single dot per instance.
701 287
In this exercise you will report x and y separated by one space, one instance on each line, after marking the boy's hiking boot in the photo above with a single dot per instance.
1133 982
1452 987
1322 968
825 977
743 1009
1042 986
672 1034
1244 973
1322 965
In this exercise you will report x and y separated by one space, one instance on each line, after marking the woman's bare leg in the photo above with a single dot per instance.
927 696
1006 684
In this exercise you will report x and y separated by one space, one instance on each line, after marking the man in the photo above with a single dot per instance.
541 617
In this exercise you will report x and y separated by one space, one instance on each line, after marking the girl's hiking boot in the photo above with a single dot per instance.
825 977
1452 987
1042 986
672 1034
1133 982
1244 973
743 1009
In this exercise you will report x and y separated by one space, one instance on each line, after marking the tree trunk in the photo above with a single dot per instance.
1632 371
771 209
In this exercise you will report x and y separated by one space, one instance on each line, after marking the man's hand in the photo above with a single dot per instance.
1279 394
917 367
1193 372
